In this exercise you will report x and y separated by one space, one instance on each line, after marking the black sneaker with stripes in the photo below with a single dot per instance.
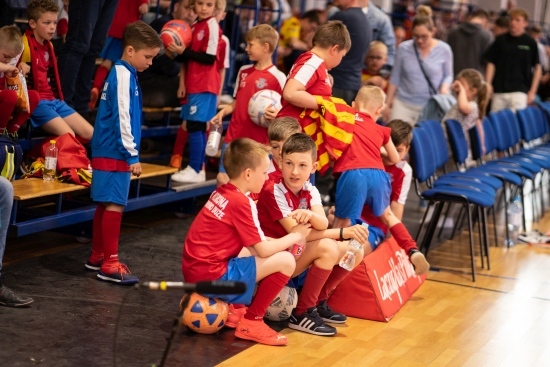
310 322
329 315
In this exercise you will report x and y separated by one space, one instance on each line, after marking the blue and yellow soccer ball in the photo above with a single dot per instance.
205 315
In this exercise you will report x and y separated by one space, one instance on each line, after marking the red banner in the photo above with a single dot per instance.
378 287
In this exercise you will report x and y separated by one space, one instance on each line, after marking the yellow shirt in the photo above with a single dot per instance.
290 29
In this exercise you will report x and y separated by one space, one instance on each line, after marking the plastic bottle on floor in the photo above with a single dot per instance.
50 164
514 214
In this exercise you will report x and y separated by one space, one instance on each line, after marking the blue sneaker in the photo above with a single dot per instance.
119 274
93 266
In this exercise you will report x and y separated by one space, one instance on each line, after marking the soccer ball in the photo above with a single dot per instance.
176 31
281 307
203 314
259 102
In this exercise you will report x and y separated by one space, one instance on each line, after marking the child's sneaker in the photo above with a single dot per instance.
234 316
175 161
94 96
119 274
93 266
329 315
258 331
421 265
310 322
189 175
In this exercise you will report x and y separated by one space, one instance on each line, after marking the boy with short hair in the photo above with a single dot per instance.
278 132
376 58
290 201
12 116
363 180
52 113
309 74
202 84
225 242
261 41
115 149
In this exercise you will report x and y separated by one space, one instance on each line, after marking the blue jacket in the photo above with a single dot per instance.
117 129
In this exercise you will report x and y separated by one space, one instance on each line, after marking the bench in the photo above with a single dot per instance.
41 206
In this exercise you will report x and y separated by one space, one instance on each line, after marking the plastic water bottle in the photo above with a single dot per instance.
50 165
214 139
348 260
514 214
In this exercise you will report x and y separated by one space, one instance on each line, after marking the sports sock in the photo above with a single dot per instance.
315 280
268 289
100 76
239 305
181 139
20 117
336 276
110 227
97 235
197 146
8 100
403 238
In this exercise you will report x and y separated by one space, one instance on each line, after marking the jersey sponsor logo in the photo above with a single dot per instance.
243 81
200 36
261 83
216 205
524 47
358 118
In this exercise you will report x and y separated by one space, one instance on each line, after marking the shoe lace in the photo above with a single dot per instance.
314 315
123 269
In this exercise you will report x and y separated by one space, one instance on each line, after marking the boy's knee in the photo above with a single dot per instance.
288 264
329 248
8 96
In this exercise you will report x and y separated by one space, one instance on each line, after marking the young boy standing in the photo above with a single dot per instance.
115 149
225 242
52 113
290 201
202 83
261 41
309 74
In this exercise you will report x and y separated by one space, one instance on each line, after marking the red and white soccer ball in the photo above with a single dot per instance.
281 307
259 102
176 31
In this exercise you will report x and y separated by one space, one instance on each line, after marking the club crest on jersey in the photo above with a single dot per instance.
200 36
261 83
303 203
46 56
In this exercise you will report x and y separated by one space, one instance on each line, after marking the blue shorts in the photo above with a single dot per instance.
221 168
199 107
110 187
48 110
358 187
112 50
239 269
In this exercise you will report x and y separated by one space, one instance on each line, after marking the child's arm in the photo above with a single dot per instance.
8 69
397 209
357 232
390 95
269 247
481 134
181 88
389 153
316 217
462 100
216 120
295 93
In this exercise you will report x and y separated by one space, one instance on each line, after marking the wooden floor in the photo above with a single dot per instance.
503 319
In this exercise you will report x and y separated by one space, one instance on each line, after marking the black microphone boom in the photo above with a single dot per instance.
213 287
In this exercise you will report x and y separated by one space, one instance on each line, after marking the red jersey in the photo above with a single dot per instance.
310 70
127 11
274 174
276 202
227 223
202 78
44 61
249 81
364 150
400 177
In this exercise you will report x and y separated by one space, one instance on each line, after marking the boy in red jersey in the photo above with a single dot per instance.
202 83
278 132
52 113
261 41
363 180
290 201
309 74
225 234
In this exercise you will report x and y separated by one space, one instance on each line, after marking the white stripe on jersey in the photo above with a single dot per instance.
279 75
123 99
254 213
279 190
213 36
308 69
406 185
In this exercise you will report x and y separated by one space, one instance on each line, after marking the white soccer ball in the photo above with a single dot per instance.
259 102
282 305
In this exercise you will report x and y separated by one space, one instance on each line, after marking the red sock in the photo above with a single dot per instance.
110 228
8 99
238 305
97 235
315 280
179 144
20 117
268 289
336 276
100 76
403 238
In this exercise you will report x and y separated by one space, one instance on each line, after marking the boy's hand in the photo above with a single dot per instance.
175 49
217 120
270 113
303 229
143 9
181 90
25 69
301 215
136 169
11 71
357 232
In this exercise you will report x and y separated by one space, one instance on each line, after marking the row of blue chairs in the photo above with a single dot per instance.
510 141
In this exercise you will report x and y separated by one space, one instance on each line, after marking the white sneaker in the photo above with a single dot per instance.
189 175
